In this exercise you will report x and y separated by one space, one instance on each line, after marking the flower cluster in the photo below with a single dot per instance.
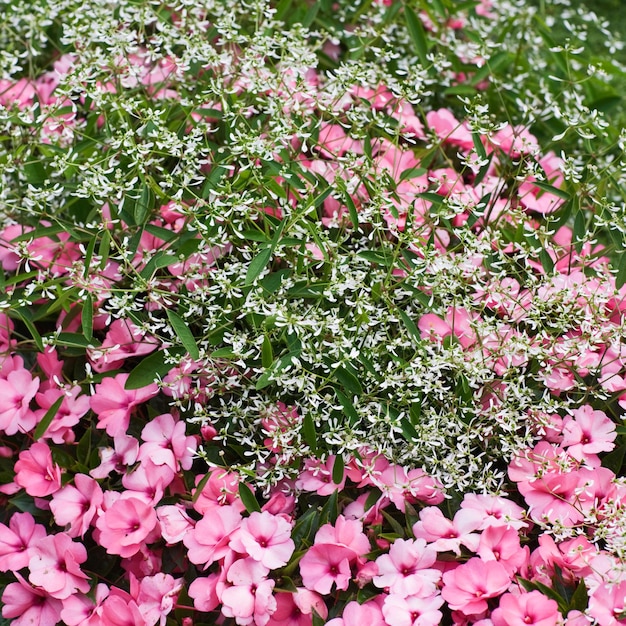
310 313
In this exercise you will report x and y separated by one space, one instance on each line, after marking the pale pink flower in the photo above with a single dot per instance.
433 328
249 600
119 608
402 485
446 535
495 511
266 538
76 505
208 541
118 458
17 541
72 408
36 472
125 525
148 481
165 443
502 544
16 392
405 570
297 608
608 603
527 609
29 606
366 614
586 433
468 587
156 596
113 404
203 591
174 522
449 129
55 566
80 610
413 610
345 532
222 487
317 476
324 564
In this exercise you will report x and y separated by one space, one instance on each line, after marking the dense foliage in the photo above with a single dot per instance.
311 313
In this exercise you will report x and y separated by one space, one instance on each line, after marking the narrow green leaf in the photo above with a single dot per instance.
615 460
86 318
308 432
184 334
152 368
74 340
552 189
25 316
200 486
267 354
349 381
338 469
546 261
46 420
620 278
418 35
157 262
143 204
89 255
248 499
410 325
348 407
478 145
257 265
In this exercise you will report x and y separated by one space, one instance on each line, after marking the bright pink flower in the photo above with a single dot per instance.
296 609
405 570
208 541
413 610
502 544
433 328
125 525
73 407
249 600
345 532
325 564
36 472
318 476
468 587
532 609
166 443
76 505
119 608
203 591
80 610
17 541
156 596
588 432
607 604
448 128
221 488
29 606
118 458
355 614
55 566
16 392
448 535
122 341
113 404
266 538
402 485
148 481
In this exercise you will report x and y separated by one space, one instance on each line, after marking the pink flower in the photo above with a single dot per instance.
166 443
113 404
448 535
495 511
73 407
36 472
413 610
208 541
318 476
296 609
498 543
468 587
588 432
79 610
324 565
55 566
125 525
405 570
608 603
174 522
148 481
29 606
118 458
203 591
77 505
156 596
221 488
16 392
355 614
532 609
266 538
345 532
17 541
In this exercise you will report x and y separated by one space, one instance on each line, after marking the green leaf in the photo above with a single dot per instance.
46 420
338 469
267 354
410 325
152 368
546 261
86 318
547 591
25 316
143 204
103 248
552 189
349 381
184 334
308 432
74 340
158 261
348 407
257 265
418 35
248 499
620 278
615 460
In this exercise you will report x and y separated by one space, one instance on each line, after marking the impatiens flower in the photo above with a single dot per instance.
174 522
72 408
448 535
77 505
413 610
468 587
495 510
156 596
16 392
405 570
324 565
203 591
165 443
296 609
355 614
607 604
17 541
36 472
29 606
266 538
587 432
221 488
55 566
498 543
125 525
80 610
113 404
527 609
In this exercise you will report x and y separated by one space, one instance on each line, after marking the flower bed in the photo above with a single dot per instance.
310 314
